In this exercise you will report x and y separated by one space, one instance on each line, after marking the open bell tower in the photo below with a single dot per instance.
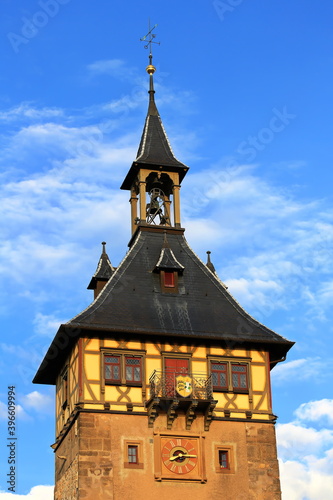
155 176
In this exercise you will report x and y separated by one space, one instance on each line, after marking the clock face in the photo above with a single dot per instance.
179 455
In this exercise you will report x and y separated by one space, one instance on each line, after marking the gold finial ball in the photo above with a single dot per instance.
150 69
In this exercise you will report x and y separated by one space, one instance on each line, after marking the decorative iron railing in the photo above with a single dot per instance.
180 385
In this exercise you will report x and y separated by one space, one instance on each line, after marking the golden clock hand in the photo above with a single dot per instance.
181 455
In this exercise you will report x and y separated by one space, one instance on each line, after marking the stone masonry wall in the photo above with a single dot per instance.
95 465
66 465
263 467
93 455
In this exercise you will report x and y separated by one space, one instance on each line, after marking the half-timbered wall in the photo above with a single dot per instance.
67 389
87 387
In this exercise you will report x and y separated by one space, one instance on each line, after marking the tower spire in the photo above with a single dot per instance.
156 174
149 38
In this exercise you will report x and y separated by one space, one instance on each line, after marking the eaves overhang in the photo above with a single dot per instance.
69 334
181 169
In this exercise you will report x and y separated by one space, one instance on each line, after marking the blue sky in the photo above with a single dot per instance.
245 93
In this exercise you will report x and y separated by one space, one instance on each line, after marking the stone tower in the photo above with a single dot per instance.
163 382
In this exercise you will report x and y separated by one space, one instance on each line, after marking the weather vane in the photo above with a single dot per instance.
149 38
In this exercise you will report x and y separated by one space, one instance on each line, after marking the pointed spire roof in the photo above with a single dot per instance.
104 269
154 148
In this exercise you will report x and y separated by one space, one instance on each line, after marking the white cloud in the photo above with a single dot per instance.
299 441
305 482
46 215
306 453
41 403
36 493
316 411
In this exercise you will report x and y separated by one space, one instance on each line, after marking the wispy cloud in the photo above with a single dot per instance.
301 369
38 402
113 67
46 324
36 493
20 413
27 110
275 246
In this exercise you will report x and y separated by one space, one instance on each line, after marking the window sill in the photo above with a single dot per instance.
127 384
129 465
224 471
233 391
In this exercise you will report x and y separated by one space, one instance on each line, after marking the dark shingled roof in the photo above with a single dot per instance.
154 147
132 301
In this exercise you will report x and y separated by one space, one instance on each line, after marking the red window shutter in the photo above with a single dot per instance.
169 279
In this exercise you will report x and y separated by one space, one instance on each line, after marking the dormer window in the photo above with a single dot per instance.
169 269
169 281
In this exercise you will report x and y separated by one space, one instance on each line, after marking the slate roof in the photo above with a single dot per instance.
132 302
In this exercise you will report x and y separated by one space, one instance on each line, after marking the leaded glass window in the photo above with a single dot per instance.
112 368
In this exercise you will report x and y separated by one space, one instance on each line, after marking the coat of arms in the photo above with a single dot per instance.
184 385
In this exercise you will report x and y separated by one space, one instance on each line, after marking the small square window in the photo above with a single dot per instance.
224 459
133 455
